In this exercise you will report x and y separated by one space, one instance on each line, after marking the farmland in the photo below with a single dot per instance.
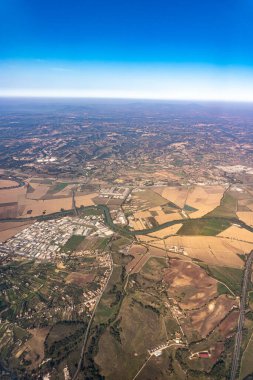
131 223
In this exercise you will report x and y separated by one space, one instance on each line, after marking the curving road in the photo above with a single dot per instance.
243 302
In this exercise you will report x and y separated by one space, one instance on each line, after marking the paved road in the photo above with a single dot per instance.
243 301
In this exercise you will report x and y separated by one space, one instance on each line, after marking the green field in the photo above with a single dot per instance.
232 277
72 243
59 186
152 270
153 199
246 362
189 208
205 227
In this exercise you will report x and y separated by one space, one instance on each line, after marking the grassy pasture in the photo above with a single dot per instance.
72 243
205 227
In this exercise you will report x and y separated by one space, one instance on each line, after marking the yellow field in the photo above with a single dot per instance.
165 174
142 214
49 206
137 224
237 233
12 195
172 230
146 238
39 191
7 183
212 250
202 198
246 217
250 206
9 229
163 218
141 218
176 195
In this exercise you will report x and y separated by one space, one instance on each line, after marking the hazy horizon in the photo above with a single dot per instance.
139 50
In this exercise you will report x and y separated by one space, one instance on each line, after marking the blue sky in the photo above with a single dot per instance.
145 49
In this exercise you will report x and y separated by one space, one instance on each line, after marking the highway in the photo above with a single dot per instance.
243 301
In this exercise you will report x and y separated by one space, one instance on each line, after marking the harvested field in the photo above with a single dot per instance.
227 207
166 231
197 200
12 195
137 251
8 210
246 217
10 229
140 260
142 214
204 199
137 224
163 217
237 233
7 183
209 249
39 191
176 195
48 206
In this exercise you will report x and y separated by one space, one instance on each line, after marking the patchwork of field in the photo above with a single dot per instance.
167 299
143 199
196 293
37 191
40 196
152 217
176 195
190 283
196 200
212 250
207 318
204 199
31 207
141 255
